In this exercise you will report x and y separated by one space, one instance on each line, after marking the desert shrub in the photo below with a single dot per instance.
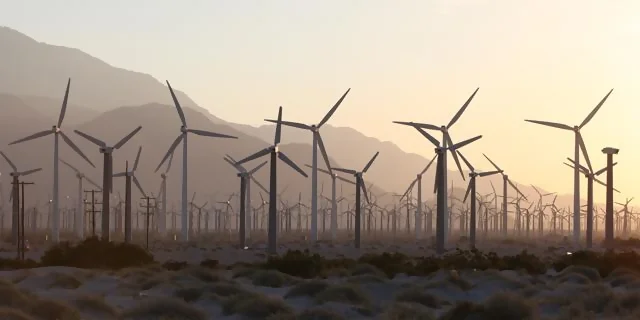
244 272
303 264
316 313
163 308
95 304
272 279
203 274
592 274
367 278
93 253
209 263
173 265
13 314
344 293
224 289
53 310
604 262
415 295
65 281
463 310
407 311
189 294
388 263
505 306
307 288
366 269
575 278
13 264
255 306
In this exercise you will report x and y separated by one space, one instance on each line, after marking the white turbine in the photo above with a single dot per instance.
317 142
57 131
183 138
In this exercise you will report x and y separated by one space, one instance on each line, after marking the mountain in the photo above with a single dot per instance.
34 77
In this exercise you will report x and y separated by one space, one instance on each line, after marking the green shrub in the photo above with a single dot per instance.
93 253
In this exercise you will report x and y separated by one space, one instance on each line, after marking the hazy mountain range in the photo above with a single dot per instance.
108 102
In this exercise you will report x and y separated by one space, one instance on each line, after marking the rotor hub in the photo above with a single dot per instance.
275 148
183 129
576 128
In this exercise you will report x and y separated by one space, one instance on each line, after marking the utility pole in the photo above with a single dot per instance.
149 206
21 242
93 210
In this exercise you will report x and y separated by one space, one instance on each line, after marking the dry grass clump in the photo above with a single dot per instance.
416 295
255 306
202 274
307 288
316 313
13 314
573 278
96 305
143 278
407 311
21 275
243 272
367 278
344 293
64 281
163 308
590 273
503 306
272 279
507 281
215 291
452 279
28 303
366 269
623 277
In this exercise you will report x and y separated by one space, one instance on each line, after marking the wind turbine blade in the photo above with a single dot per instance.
64 104
551 124
95 141
344 180
137 183
370 162
259 185
13 166
455 155
276 140
33 136
237 167
584 151
461 111
333 109
70 166
583 168
408 189
493 163
169 165
290 124
28 172
466 193
75 148
292 164
177 104
517 190
418 125
488 173
120 174
465 161
323 151
428 165
364 190
595 110
173 146
125 139
463 143
599 172
256 155
321 170
93 183
348 171
254 170
433 140
135 163
210 134
193 197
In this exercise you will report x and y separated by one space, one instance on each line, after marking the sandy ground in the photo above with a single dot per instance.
576 293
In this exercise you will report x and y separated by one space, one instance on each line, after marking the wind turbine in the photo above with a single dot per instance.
334 203
79 218
441 184
505 181
15 195
472 189
591 177
57 131
578 145
446 141
130 175
418 179
275 152
317 142
107 173
183 138
360 185
163 195
245 196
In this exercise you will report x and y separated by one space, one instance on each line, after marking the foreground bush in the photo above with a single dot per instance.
93 253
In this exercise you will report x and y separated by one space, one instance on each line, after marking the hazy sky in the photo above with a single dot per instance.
404 60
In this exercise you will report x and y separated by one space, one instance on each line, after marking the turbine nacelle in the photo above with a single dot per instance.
183 129
106 149
55 129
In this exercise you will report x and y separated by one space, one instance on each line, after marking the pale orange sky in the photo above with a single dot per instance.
404 60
